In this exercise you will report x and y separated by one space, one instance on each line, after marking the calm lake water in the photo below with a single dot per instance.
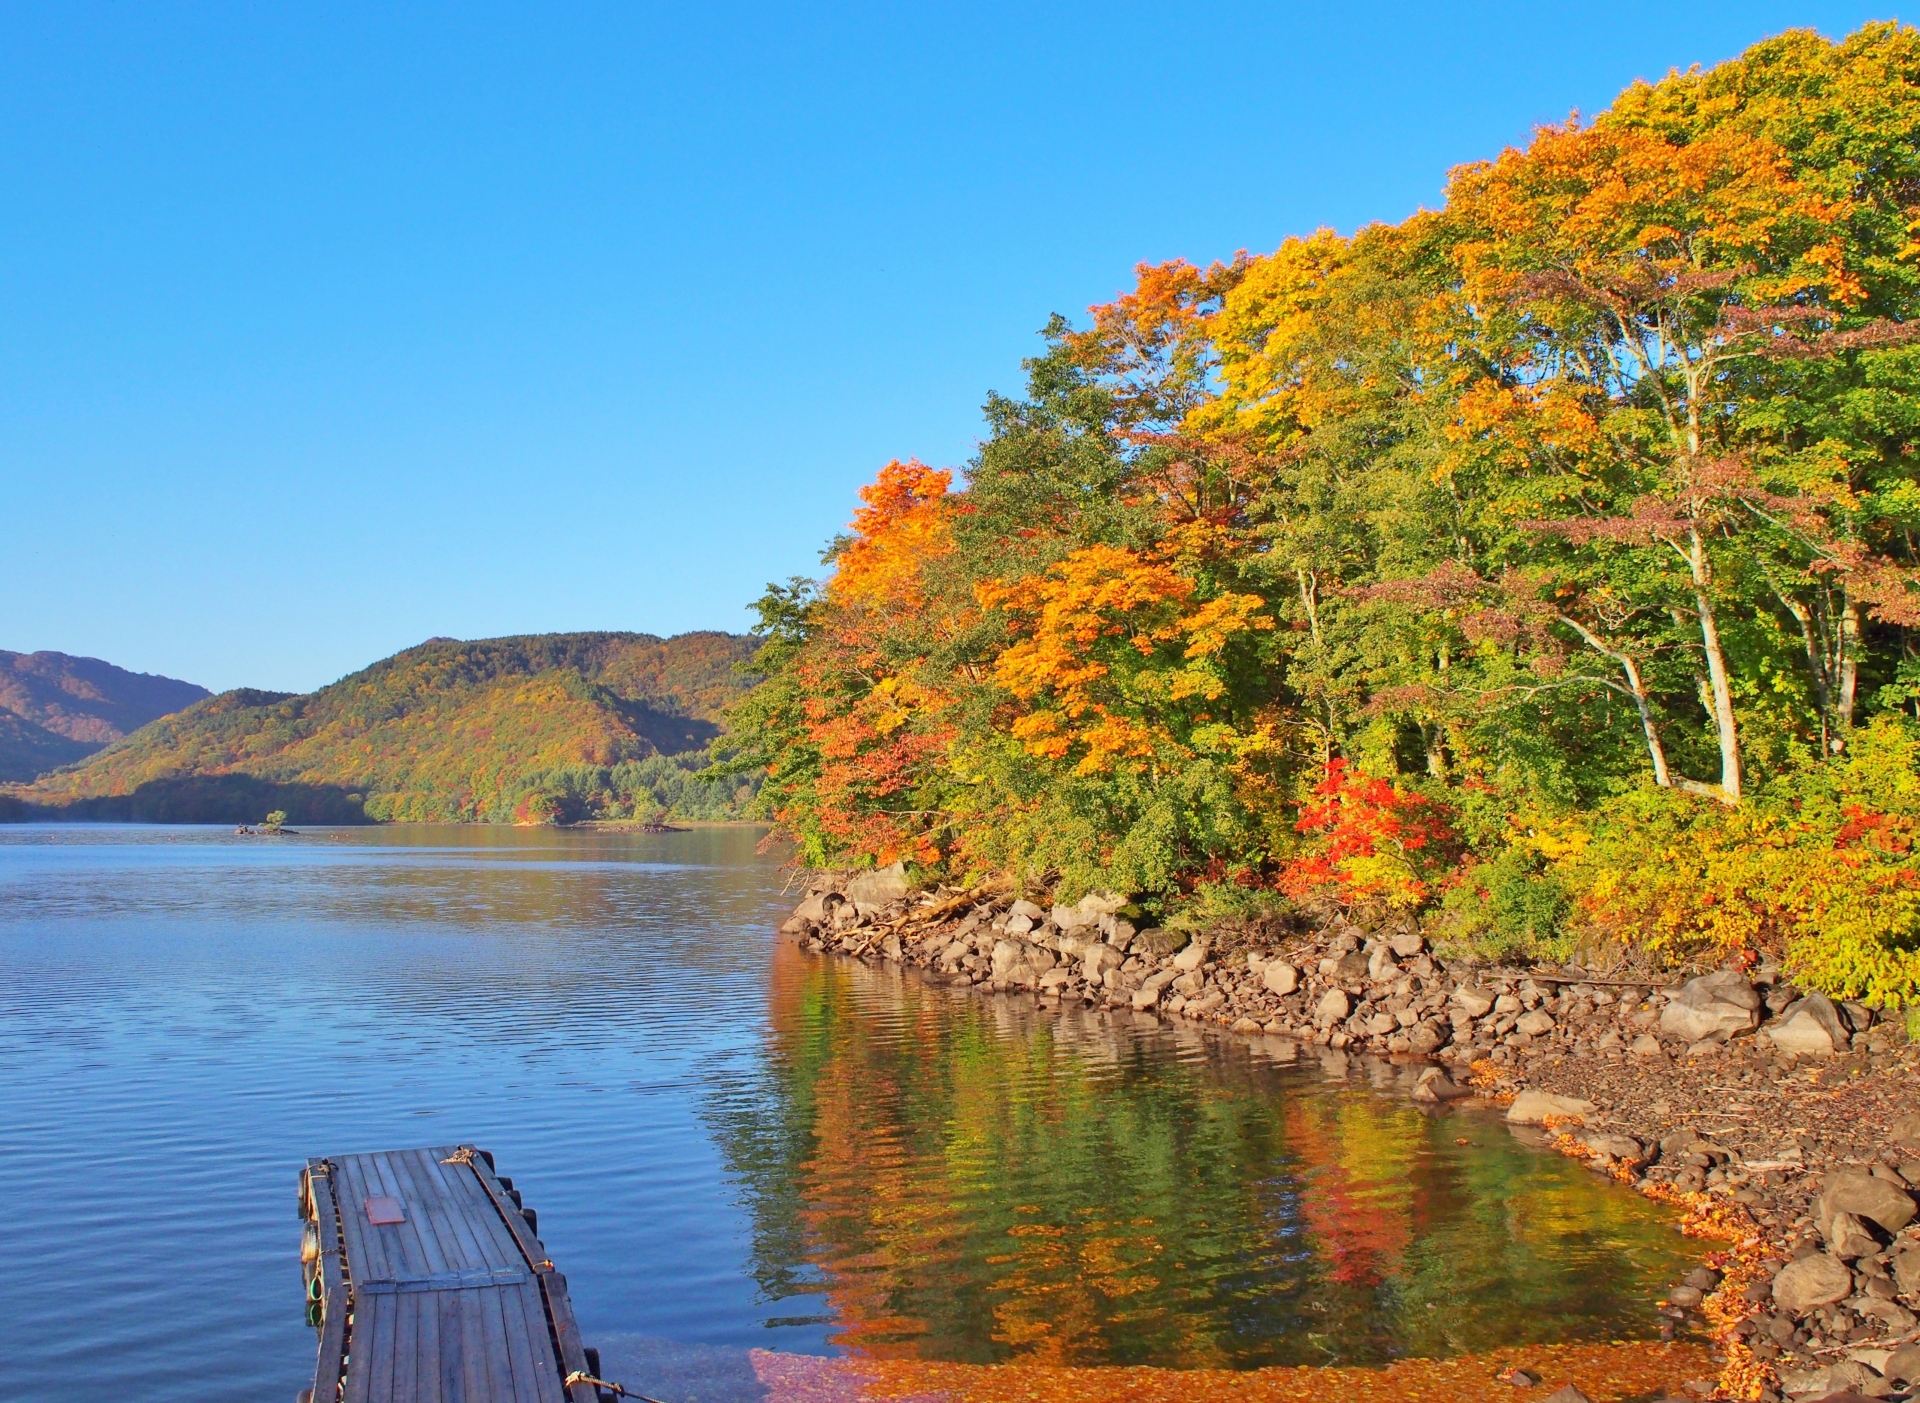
730 1144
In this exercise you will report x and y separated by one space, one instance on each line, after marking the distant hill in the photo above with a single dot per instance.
56 709
533 729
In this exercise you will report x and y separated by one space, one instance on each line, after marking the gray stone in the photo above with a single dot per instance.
1906 1271
1897 1318
1087 911
1407 944
1280 977
872 890
1148 994
1157 942
1906 1131
1333 1007
1817 1280
1099 959
1434 1085
1535 1024
1533 1108
1646 1045
1026 908
1019 923
1822 1383
1350 968
1380 965
1810 1028
1424 1039
1686 1297
1903 1365
1715 1005
1847 1238
1857 1192
1567 1393
1477 1002
1192 957
1616 1146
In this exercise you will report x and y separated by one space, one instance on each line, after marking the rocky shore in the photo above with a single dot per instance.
1786 1126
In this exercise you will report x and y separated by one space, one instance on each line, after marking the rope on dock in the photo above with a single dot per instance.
581 1376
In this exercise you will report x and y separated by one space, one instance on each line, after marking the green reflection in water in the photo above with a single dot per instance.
972 1179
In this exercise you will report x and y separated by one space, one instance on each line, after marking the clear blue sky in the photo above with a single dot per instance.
325 329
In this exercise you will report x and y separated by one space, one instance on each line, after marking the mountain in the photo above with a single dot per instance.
56 709
530 729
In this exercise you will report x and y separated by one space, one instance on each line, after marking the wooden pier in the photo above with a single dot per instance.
427 1283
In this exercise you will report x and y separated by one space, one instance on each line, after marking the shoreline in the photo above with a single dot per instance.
1780 1125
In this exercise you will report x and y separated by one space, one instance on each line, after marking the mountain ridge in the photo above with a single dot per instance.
526 728
58 708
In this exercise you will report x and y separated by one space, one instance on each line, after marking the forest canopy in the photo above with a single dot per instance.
1542 566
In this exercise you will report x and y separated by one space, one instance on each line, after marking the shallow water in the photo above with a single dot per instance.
731 1144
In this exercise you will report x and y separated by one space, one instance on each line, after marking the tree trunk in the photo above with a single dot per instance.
1849 664
1635 689
1722 687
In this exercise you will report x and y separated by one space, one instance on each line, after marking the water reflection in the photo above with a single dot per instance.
963 1179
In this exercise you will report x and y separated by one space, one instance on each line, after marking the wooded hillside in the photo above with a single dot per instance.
529 729
1542 567
56 709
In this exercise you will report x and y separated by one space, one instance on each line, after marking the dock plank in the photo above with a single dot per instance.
457 1303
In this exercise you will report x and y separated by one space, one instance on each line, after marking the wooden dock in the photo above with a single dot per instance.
427 1283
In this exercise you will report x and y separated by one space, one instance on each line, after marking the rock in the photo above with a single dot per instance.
1434 1085
1847 1238
1533 1108
1380 965
1906 1131
1280 977
1646 1045
1407 944
1566 1394
1822 1383
1477 1002
1057 978
1088 910
1243 1024
1381 1024
1006 954
1424 1038
1099 959
1906 1271
1535 1024
956 952
1854 1191
1349 968
1897 1318
1333 1007
1158 943
1019 923
1809 1028
1903 1365
814 909
1706 1278
1192 957
871 890
1818 1280
1715 1005
1686 1297
1623 1147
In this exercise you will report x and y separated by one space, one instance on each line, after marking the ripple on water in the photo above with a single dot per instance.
731 1145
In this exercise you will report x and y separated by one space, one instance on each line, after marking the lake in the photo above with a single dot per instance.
732 1145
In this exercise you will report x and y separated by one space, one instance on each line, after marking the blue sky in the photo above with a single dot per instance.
326 329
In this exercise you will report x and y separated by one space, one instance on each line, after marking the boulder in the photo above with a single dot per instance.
1334 1006
1157 942
956 952
1350 968
1535 1024
1533 1108
1646 1045
1433 1085
1407 944
1810 1028
1848 1238
1192 957
1816 1280
1380 965
1088 910
1896 1317
872 890
1623 1147
1903 1365
1026 908
1906 1131
1246 1025
814 909
1855 1191
1148 994
1424 1039
1825 1384
1716 1005
1280 977
1099 959
1566 1393
1006 954
1477 1002
1906 1271
1019 923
